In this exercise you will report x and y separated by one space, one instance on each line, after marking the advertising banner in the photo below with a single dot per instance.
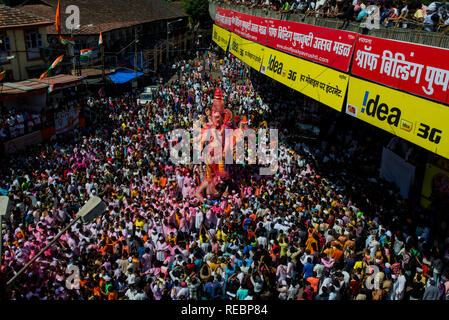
221 37
315 81
330 47
435 185
414 68
414 119
327 46
249 52
250 27
223 18
66 120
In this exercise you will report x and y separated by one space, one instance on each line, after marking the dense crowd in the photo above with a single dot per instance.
16 124
318 229
398 13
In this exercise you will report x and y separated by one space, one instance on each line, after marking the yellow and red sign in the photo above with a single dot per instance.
414 119
318 82
221 37
248 51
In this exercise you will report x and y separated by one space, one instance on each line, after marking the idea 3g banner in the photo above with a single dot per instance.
221 37
417 120
249 52
315 81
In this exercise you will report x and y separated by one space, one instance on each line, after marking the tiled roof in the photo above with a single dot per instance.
35 85
100 15
13 17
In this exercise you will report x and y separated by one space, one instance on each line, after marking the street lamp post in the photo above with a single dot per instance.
92 209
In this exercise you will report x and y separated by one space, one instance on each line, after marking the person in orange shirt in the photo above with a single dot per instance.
113 295
313 280
104 248
97 293
337 254
163 182
311 244
110 244
227 210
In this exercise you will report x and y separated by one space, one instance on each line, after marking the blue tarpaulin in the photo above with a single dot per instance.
123 76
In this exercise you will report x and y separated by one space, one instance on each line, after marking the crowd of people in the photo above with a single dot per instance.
323 227
398 13
16 124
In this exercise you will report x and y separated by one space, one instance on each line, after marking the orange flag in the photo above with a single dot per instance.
43 76
58 18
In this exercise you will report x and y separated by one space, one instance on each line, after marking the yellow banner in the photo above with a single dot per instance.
248 51
417 120
313 80
221 37
435 185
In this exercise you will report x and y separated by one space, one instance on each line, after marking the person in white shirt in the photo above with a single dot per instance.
131 292
398 290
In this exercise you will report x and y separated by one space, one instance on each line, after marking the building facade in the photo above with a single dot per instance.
23 38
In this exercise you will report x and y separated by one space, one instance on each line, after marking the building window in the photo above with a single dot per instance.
5 48
33 41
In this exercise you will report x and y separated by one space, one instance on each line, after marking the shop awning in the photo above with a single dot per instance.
14 90
61 81
124 76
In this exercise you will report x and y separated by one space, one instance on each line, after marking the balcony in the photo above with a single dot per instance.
437 39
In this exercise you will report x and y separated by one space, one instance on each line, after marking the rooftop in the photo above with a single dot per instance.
14 18
11 90
95 16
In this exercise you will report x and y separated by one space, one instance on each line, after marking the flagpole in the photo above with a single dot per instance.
102 62
72 46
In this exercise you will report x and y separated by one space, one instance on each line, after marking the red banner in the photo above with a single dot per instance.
223 18
250 27
414 68
330 47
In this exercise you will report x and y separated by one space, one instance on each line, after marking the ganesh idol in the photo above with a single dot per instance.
216 179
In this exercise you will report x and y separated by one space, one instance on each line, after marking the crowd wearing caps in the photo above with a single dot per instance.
292 235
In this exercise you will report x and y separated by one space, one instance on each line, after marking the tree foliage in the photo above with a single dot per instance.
12 3
198 10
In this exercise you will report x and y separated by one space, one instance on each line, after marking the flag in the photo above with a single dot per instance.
100 40
2 75
58 18
56 62
68 40
43 76
51 87
85 54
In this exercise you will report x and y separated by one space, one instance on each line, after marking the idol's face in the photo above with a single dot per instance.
217 119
